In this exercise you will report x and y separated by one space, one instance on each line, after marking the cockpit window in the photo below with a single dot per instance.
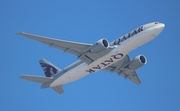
156 22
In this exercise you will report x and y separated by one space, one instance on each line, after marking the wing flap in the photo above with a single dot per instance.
131 75
120 69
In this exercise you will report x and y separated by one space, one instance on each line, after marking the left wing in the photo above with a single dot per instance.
121 69
79 49
67 46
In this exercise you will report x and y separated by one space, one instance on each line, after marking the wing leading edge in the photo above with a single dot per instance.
120 68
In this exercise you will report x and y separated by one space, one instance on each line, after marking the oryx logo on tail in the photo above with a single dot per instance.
48 68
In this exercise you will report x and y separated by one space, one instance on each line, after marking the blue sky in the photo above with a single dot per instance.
88 21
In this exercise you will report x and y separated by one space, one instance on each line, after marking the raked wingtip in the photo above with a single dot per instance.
19 33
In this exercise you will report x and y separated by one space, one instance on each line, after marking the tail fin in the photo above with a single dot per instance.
48 68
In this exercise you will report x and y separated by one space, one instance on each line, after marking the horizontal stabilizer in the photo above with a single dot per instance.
59 89
38 79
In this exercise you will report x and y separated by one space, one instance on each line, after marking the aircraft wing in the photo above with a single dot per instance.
121 69
78 49
67 46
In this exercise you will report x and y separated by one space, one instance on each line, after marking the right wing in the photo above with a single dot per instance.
121 69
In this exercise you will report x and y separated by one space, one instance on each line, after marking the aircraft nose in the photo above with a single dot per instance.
158 29
162 26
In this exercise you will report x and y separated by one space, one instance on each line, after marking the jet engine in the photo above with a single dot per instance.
100 45
137 62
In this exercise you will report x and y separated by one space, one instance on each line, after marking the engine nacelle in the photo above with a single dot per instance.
137 62
100 45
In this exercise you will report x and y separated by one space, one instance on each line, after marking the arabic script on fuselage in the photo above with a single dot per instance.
127 36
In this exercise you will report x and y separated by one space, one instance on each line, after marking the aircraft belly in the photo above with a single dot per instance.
83 69
71 75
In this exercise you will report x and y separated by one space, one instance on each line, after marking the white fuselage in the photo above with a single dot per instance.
149 32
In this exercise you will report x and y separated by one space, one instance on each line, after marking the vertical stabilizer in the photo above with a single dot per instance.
48 68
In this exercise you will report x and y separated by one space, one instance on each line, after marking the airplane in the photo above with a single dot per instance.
102 55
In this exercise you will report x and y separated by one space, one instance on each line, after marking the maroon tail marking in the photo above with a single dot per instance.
48 69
